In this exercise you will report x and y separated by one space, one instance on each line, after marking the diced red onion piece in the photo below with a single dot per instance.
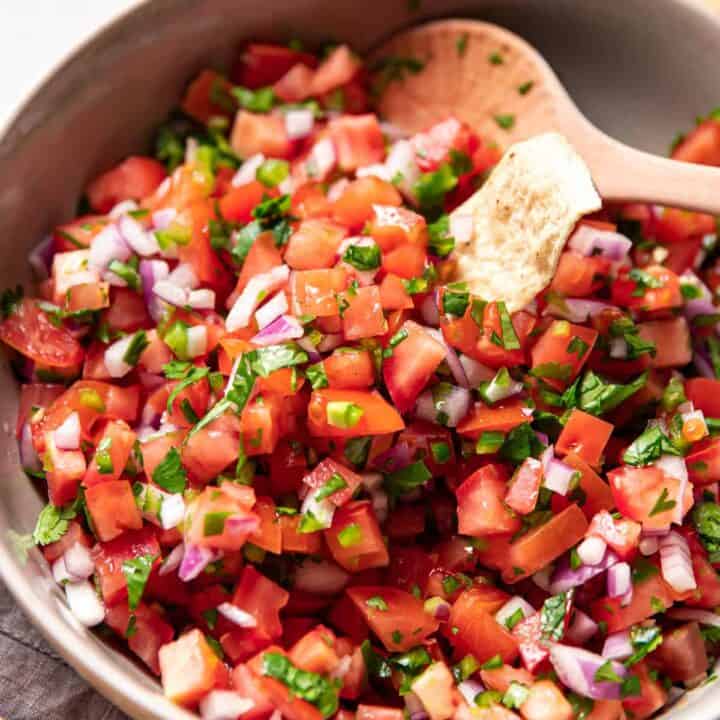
183 276
122 208
617 646
648 546
703 365
330 341
173 560
162 219
474 371
704 617
195 559
203 299
142 242
60 572
575 309
702 305
322 159
676 563
592 550
425 407
401 163
84 603
586 240
255 291
107 245
461 227
41 257
276 306
577 667
429 311
172 511
514 604
321 577
280 330
306 344
558 476
79 562
299 123
451 358
565 577
67 436
196 341
114 357
170 293
224 705
455 406
380 504
470 689
237 615
248 170
152 272
581 629
618 579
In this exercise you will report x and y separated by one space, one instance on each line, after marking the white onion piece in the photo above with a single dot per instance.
676 563
299 123
79 562
592 550
72 268
122 208
618 348
461 227
172 511
183 276
322 577
497 391
618 579
454 405
196 341
173 560
60 572
84 603
248 170
617 646
542 578
402 164
254 293
581 629
558 476
429 311
648 546
170 293
67 436
114 357
162 219
203 299
474 371
287 186
321 160
586 240
322 510
276 306
224 705
470 689
28 455
142 242
514 604
237 615
107 245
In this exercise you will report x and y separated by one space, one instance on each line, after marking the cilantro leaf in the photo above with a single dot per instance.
267 359
521 443
52 523
552 616
596 396
9 301
170 474
706 518
649 446
136 572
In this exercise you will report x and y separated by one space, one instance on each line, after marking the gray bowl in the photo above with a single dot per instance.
640 69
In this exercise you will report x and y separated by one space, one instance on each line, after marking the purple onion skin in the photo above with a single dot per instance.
564 578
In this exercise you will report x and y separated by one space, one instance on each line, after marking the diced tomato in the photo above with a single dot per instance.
639 490
207 452
478 632
500 678
307 543
314 244
704 394
316 651
533 649
395 616
393 295
653 288
597 495
189 668
682 655
545 543
561 351
253 133
435 687
354 538
127 311
378 417
245 683
578 275
349 369
652 696
671 339
261 424
115 445
392 227
112 507
269 535
263 64
586 436
74 534
622 535
545 701
702 145
356 204
295 85
207 96
67 468
707 594
363 317
338 69
133 179
501 417
315 292
481 508
435 145
407 261
237 206
524 487
413 361
263 599
329 469
377 712
358 141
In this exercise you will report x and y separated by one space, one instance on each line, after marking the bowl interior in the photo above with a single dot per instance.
104 102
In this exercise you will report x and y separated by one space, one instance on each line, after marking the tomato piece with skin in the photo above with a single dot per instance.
315 651
295 85
501 417
338 69
306 543
262 598
268 536
657 289
207 452
545 543
198 99
393 295
260 424
578 275
621 535
378 417
112 507
239 202
314 292
245 683
561 351
262 64
597 495
500 678
354 538
67 468
704 394
648 495
524 487
481 507
707 594
392 227
363 317
120 440
434 146
395 616
406 261
133 179
672 341
314 244
328 469
701 146
358 141
652 696
349 369
586 436
682 655
356 204
254 133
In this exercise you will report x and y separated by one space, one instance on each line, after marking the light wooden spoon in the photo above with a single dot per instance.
491 78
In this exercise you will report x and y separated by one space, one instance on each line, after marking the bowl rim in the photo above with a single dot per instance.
98 669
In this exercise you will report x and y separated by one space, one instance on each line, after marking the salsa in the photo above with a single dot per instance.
303 472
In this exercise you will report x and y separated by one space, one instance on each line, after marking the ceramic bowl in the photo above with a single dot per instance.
640 69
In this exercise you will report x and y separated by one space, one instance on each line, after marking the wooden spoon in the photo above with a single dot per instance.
503 88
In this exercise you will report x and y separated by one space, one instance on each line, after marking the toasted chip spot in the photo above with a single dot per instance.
522 217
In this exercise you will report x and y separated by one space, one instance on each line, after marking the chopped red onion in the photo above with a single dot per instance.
648 546
84 603
461 227
41 258
115 357
429 311
451 358
415 708
470 689
401 163
676 563
276 306
514 604
704 617
257 289
618 579
79 562
394 458
575 310
67 436
577 668
558 476
581 628
170 293
107 245
454 406
322 159
237 615
248 170
592 550
299 123
587 240
380 504
320 577
565 577
474 371
172 511
152 272
203 299
196 341
142 242
224 705
542 577
617 646
173 560
330 341
702 364
284 328
162 219
702 305
183 276
195 559
306 344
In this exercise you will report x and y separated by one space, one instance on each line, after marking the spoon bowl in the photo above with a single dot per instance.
499 84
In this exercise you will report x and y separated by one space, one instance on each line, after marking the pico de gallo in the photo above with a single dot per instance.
302 472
